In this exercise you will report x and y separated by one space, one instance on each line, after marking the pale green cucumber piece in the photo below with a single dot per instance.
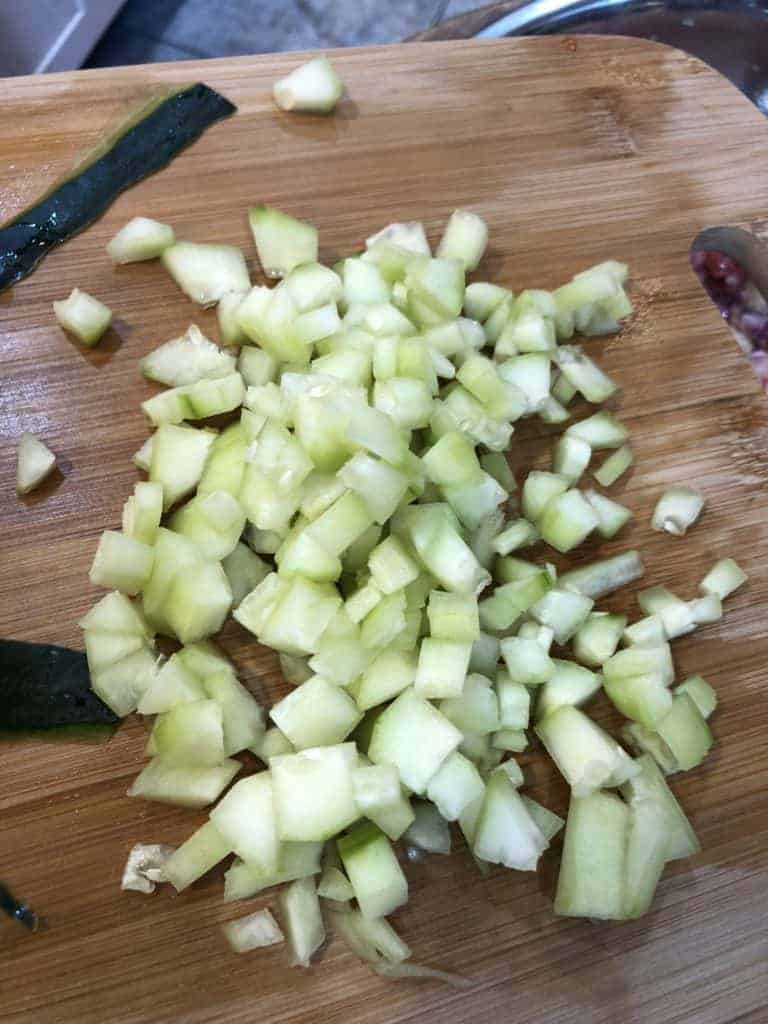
355 558
391 567
645 741
592 879
104 649
513 771
723 578
515 740
302 613
34 462
675 614
514 702
587 757
194 858
685 731
302 920
272 743
213 522
186 360
314 797
677 510
547 822
480 750
644 699
172 684
455 785
586 376
569 684
317 713
647 845
473 503
140 239
385 677
205 659
647 632
606 575
313 88
509 569
282 242
496 464
476 710
481 298
442 668
612 516
518 534
255 931
362 602
190 734
438 284
83 316
380 626
600 430
465 238
567 520
443 552
225 464
706 609
527 662
143 511
242 715
256 366
121 563
183 785
415 738
214 397
295 860
531 373
485 655
564 611
598 637
503 608
379 485
178 459
341 524
230 331
642 660
199 599
122 684
373 871
700 692
244 571
451 460
115 613
563 390
538 490
334 885
245 818
649 785
501 399
614 466
206 272
453 617
379 796
505 832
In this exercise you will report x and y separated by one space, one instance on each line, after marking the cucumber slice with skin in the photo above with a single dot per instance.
314 796
377 879
186 360
83 316
183 785
312 88
194 858
140 239
592 875
34 462
206 272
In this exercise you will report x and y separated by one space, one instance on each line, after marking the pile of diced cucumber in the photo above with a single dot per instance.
358 515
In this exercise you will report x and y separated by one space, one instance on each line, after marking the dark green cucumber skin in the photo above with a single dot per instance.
43 687
144 148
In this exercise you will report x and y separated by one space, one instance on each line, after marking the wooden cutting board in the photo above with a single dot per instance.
574 150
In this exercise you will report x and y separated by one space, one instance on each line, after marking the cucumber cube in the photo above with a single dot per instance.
246 819
302 920
379 796
455 785
505 832
314 798
295 860
685 731
183 785
121 563
316 714
593 869
442 668
282 242
198 601
376 877
202 851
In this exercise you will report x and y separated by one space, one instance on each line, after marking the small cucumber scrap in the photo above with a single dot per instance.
83 316
282 242
140 239
313 88
34 463
186 360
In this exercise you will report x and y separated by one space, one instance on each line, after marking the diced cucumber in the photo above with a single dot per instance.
438 283
246 820
387 620
723 578
482 298
194 858
551 411
213 522
611 515
140 239
642 660
391 567
510 739
300 617
104 649
442 668
313 88
587 757
644 741
567 520
415 738
122 684
252 932
606 575
186 360
531 374
302 920
514 702
564 611
143 511
505 832
527 662
115 613
465 238
206 272
647 632
685 731
443 552
229 327
677 509
585 375
271 744
706 609
379 796
198 601
314 797
143 456
598 637
429 831
548 823
183 785
647 845
453 617
121 563
190 734
244 570
242 715
676 615
282 242
601 430
172 684
34 462
295 860
317 713
649 785
700 692
643 698
455 785
518 534
178 459
476 710
373 871
569 684
387 676
592 875
83 316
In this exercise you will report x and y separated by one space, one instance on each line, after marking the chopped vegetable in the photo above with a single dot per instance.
313 88
83 316
140 239
677 509
35 461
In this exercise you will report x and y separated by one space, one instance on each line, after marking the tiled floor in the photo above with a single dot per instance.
159 30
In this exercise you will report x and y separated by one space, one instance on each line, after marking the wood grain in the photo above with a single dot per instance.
574 151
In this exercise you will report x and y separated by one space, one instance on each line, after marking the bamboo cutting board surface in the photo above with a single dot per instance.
574 150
